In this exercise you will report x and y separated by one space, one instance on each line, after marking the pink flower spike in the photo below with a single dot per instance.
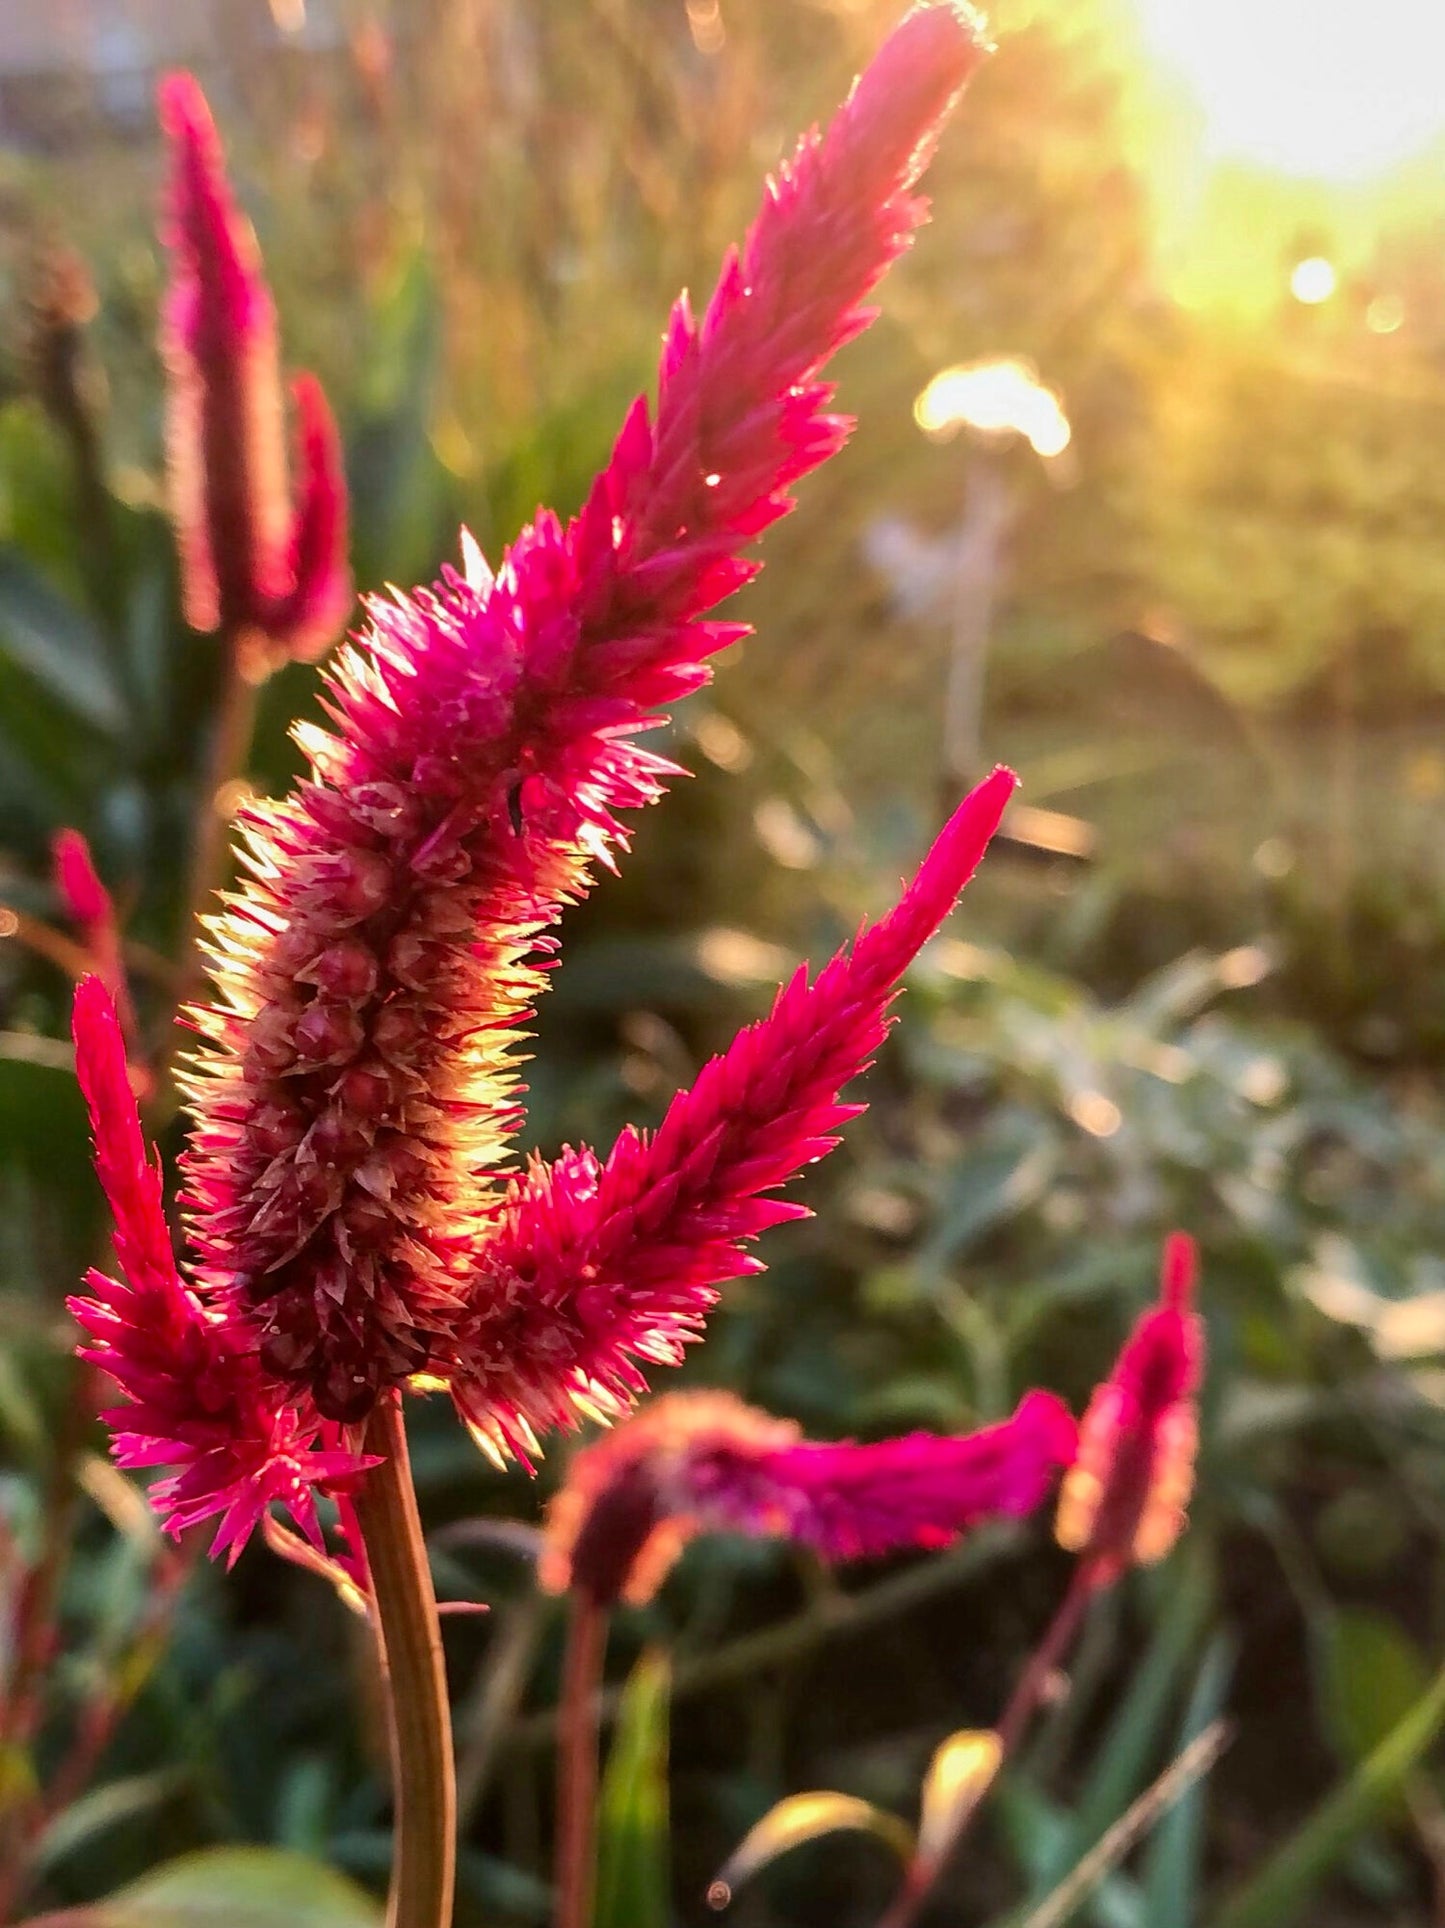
304 623
89 906
694 1463
356 1090
1124 1499
594 1267
196 1401
275 582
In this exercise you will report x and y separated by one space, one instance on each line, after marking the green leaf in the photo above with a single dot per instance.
1279 1892
1373 1674
632 1858
102 1809
56 643
1135 1737
1173 1868
801 1818
231 1888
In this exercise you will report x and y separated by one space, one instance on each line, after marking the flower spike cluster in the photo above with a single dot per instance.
594 1266
272 577
703 1462
197 1401
355 1092
1123 1500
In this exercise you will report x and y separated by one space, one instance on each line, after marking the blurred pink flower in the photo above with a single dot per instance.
703 1462
1124 1499
89 906
274 579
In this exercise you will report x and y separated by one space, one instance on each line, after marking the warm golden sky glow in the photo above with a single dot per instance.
1332 90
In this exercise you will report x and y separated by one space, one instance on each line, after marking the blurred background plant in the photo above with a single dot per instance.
1203 986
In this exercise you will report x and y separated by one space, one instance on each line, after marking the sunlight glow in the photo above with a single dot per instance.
994 398
1325 89
1313 281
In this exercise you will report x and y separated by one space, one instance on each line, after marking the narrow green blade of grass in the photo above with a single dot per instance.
1172 1874
1279 1892
632 1858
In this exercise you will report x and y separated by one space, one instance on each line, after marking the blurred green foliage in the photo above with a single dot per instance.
1220 646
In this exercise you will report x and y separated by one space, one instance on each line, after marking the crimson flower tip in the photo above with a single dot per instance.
1125 1498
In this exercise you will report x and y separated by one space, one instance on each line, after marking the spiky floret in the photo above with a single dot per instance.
355 1089
197 1401
1125 1497
593 1267
274 578
704 1462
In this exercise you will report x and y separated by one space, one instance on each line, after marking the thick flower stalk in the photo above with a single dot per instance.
703 1462
593 1266
1124 1499
355 1091
272 577
197 1401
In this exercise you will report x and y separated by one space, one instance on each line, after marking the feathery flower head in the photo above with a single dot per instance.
694 1463
1124 1498
273 578
355 1091
196 1400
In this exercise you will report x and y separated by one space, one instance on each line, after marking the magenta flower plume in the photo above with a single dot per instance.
595 1266
356 1089
703 1462
1124 1499
196 1399
89 906
276 582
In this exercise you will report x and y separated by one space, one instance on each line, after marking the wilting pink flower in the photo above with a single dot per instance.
89 907
356 1087
197 1400
592 1266
274 579
704 1462
1123 1500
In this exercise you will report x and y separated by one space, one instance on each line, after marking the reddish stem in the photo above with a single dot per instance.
409 1640
577 1762
1034 1685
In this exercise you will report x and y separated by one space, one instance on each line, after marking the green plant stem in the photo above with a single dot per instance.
409 1643
577 1762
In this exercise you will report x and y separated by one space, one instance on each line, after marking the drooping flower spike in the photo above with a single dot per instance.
703 1462
594 1266
356 1089
272 577
197 1401
1124 1499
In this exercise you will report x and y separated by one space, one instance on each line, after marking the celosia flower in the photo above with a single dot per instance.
592 1265
1123 1500
356 1088
274 579
704 1462
89 906
197 1399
